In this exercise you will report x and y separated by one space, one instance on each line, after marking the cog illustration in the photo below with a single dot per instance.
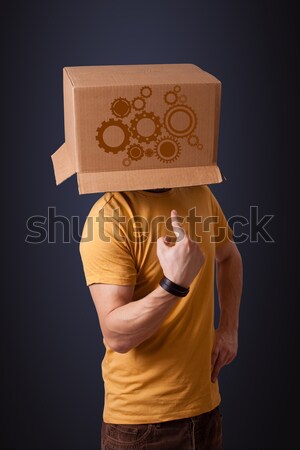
170 97
126 162
149 152
167 149
138 103
146 91
193 140
113 136
120 107
145 127
141 135
135 152
180 120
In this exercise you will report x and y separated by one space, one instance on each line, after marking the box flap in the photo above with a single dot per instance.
148 179
62 164
128 75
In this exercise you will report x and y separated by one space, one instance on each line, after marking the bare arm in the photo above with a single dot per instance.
229 283
126 324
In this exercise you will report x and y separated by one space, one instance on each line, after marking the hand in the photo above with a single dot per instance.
180 262
224 352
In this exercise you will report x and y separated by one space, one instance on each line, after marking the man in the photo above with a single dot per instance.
155 302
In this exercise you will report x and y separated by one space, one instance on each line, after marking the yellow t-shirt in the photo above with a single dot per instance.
168 376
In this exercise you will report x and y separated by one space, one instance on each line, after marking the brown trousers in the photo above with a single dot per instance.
194 433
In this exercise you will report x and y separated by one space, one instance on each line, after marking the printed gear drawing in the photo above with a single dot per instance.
113 123
146 91
135 152
184 110
179 121
167 149
193 140
120 107
137 100
126 162
170 97
149 152
150 116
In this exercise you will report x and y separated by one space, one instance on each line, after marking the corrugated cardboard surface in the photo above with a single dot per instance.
126 75
148 179
69 120
140 127
63 163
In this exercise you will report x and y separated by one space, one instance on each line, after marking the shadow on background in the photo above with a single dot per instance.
52 387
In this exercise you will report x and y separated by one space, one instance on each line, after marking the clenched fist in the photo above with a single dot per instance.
180 262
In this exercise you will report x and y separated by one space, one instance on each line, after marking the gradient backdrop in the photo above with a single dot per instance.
52 346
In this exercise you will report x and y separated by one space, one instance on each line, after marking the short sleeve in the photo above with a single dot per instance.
105 252
222 232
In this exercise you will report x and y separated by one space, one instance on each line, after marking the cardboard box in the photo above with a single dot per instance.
139 127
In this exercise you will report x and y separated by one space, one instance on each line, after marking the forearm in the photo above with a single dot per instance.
229 283
133 323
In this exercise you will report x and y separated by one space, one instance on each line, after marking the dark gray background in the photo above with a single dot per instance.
52 348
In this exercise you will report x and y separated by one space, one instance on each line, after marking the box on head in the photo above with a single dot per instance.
134 127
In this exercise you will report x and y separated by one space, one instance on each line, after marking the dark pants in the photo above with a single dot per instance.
198 432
